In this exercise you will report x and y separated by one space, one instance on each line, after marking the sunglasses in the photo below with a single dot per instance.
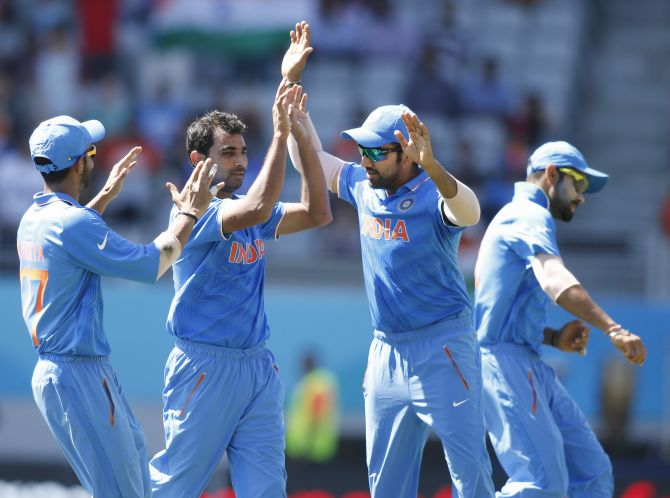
581 180
376 154
90 152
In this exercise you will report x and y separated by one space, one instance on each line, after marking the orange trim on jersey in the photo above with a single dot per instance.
455 365
195 388
533 404
34 274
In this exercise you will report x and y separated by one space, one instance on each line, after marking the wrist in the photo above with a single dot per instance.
296 81
190 215
555 334
615 330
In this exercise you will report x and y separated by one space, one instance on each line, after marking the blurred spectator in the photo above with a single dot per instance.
515 157
450 43
486 94
427 91
98 22
337 27
664 215
109 102
381 24
57 75
161 118
531 124
466 168
135 202
312 417
617 384
12 37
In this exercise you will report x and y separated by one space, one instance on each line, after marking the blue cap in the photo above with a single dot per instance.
63 140
562 155
378 128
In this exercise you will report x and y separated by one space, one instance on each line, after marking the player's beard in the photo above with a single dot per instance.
561 206
378 181
233 181
86 177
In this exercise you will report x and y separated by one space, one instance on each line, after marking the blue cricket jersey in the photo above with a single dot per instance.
219 282
63 249
510 305
408 250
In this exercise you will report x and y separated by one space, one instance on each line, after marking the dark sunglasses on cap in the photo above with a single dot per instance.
376 154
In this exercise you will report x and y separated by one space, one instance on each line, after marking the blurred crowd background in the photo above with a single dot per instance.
492 79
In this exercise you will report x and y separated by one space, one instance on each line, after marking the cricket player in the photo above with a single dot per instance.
424 368
64 248
540 435
222 387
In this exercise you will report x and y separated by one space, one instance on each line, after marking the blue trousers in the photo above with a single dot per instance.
417 381
219 400
541 436
81 400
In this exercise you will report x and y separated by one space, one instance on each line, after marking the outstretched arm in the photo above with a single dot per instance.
291 69
256 207
461 206
114 182
313 210
578 302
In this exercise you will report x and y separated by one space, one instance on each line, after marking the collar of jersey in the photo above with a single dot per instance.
410 186
42 199
530 192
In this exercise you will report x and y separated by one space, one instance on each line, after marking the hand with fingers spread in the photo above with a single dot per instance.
297 113
629 344
573 337
280 120
418 147
196 195
296 56
114 182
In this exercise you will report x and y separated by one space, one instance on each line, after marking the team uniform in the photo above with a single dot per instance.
63 249
540 435
222 390
424 368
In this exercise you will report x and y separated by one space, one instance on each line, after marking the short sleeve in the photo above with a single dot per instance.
269 228
94 246
351 176
535 234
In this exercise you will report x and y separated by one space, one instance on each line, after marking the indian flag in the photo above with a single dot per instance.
235 27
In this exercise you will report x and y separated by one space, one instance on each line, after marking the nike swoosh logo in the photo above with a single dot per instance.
102 245
455 404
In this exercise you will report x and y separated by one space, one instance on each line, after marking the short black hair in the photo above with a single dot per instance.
200 133
52 177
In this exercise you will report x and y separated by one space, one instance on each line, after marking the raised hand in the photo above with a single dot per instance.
418 148
573 337
196 195
296 56
114 182
630 345
280 120
297 112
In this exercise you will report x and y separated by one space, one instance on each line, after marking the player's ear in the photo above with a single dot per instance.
196 157
551 173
